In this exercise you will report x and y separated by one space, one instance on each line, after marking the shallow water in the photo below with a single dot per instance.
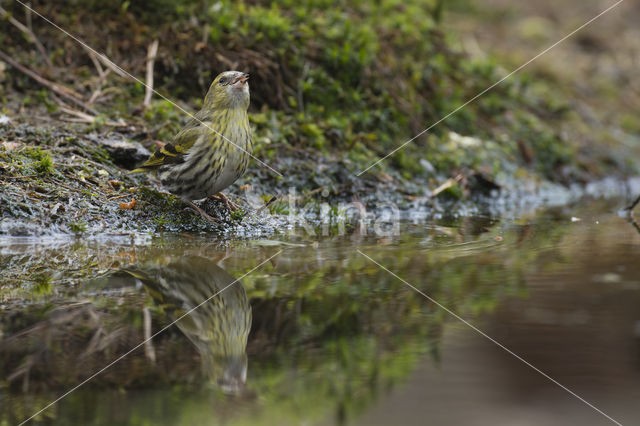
320 334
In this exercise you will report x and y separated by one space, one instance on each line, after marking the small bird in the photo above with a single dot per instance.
212 151
218 328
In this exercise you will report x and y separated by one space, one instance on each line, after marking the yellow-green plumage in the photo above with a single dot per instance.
219 328
212 151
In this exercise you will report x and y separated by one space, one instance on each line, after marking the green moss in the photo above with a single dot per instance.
454 192
162 200
238 215
43 162
78 228
41 284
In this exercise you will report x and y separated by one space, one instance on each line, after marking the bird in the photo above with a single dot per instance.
213 150
218 328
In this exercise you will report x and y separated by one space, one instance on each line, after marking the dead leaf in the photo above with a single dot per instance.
128 206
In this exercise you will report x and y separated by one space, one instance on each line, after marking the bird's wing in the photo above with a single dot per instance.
174 152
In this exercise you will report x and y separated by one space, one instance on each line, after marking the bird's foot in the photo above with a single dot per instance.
632 206
202 213
232 207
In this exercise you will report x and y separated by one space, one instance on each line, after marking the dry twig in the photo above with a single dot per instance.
445 185
151 57
102 76
149 350
83 117
105 61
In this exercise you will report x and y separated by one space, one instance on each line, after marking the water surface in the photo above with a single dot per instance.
319 334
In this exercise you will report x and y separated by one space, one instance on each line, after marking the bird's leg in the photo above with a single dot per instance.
227 202
633 205
201 212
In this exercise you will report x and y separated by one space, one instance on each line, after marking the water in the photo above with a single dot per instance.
319 334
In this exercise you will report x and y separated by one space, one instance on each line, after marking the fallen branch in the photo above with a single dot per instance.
102 93
446 185
96 62
29 32
102 76
105 61
96 94
151 57
83 117
65 92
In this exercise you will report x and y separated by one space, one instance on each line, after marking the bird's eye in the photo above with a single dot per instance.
223 80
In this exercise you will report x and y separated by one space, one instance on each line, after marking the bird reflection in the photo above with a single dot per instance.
218 328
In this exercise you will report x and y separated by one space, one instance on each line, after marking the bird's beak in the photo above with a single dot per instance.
240 80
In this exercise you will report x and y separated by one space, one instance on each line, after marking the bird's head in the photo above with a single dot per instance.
233 375
230 89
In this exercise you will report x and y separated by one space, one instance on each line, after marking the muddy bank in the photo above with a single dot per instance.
61 181
57 181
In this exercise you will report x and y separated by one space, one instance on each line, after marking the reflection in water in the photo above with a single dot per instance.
218 328
337 340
